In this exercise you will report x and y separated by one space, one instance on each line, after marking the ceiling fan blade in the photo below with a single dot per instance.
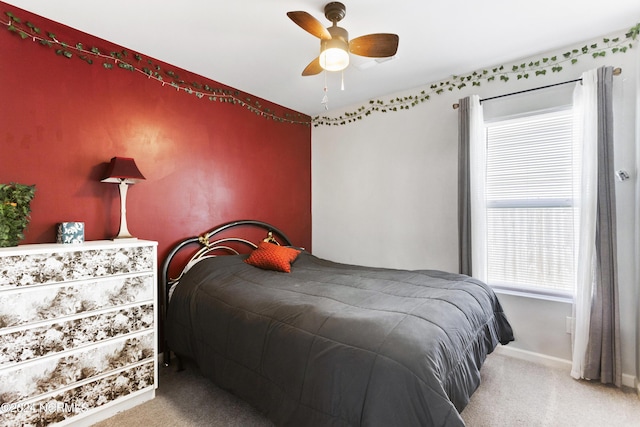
379 45
313 68
309 24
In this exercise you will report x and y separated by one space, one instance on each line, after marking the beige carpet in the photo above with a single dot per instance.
519 393
513 393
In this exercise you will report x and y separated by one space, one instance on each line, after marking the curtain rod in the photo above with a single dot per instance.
616 72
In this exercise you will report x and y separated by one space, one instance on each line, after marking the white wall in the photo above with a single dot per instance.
384 193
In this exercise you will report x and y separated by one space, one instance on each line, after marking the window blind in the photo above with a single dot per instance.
529 195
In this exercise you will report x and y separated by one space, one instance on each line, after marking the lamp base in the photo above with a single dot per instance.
123 234
124 239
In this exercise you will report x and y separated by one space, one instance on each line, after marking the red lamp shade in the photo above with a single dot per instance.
123 169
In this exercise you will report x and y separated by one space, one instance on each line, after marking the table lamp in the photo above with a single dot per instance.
123 171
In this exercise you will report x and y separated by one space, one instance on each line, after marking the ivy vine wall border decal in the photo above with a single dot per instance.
136 63
525 70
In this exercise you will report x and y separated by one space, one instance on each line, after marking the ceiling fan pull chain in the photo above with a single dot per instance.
342 83
325 98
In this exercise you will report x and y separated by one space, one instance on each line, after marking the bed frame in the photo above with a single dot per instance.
209 245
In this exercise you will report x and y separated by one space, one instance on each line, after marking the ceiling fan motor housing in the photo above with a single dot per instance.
338 34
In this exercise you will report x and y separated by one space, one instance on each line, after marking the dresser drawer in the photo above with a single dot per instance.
21 307
46 375
79 400
30 343
31 269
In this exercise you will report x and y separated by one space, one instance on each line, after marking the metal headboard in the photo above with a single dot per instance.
209 247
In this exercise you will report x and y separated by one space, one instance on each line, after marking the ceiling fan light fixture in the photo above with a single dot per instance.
334 52
334 58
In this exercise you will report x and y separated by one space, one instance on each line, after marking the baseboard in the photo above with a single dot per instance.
539 358
555 362
110 409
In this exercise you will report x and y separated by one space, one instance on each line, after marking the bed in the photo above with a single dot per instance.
329 344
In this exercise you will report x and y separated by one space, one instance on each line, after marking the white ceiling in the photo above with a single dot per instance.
253 46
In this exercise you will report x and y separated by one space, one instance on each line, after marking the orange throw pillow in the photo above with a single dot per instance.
272 257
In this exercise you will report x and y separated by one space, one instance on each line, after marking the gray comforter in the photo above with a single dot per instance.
335 344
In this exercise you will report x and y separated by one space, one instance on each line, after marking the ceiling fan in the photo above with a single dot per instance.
334 41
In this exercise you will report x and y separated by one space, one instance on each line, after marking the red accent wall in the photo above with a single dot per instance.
205 163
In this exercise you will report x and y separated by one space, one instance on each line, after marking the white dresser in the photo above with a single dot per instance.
78 331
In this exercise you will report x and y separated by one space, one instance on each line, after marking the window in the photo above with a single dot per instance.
530 203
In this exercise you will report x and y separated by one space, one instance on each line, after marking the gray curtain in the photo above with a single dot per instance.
464 193
603 358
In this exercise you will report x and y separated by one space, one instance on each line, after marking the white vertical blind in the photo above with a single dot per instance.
530 217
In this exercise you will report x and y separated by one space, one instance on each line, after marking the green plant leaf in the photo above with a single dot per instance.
15 209
13 17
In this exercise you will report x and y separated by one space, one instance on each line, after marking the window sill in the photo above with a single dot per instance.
525 293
